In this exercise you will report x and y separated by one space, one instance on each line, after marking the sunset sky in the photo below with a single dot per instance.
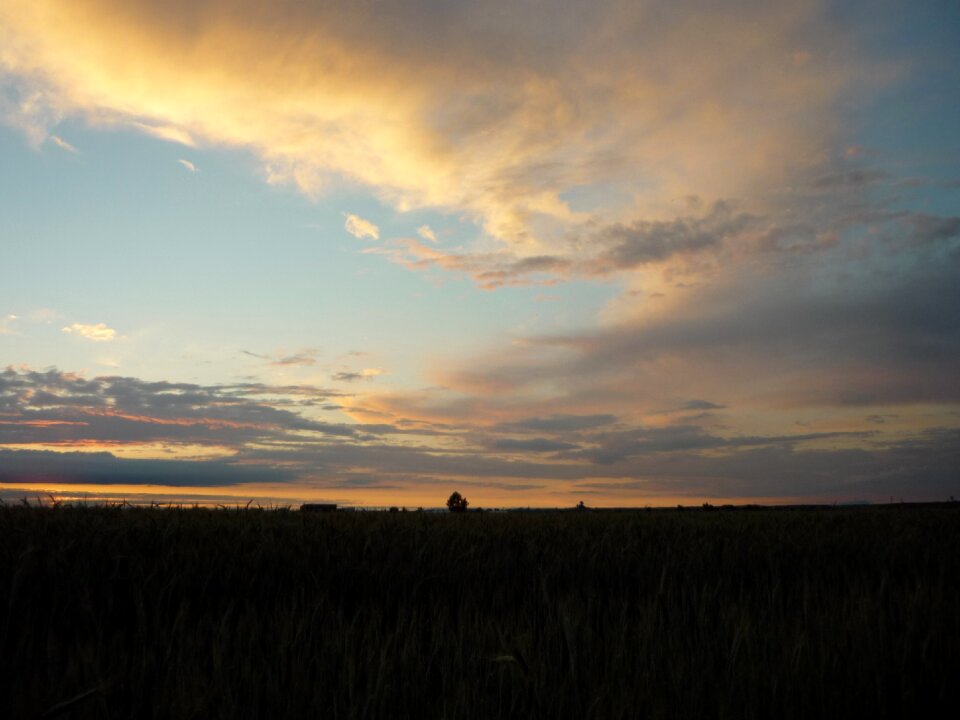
630 253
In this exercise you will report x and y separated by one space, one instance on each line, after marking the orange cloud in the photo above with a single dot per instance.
212 423
40 423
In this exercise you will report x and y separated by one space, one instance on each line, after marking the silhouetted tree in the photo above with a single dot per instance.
457 502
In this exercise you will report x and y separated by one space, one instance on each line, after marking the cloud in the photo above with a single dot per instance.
62 408
360 228
627 445
701 405
98 333
537 445
427 233
6 324
557 423
25 106
592 253
169 133
307 357
489 270
351 376
62 144
188 165
103 468
643 242
849 178
696 239
773 342
831 338
930 229
872 319
781 470
256 355
487 112
65 426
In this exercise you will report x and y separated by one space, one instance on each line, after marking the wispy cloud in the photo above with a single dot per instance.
353 376
304 357
360 228
170 133
188 165
6 324
490 270
98 332
427 233
598 252
62 144
259 356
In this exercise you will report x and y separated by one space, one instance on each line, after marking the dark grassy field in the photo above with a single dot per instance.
663 614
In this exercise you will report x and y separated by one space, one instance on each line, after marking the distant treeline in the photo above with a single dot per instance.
176 613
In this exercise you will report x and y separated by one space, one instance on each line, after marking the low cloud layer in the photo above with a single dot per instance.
34 467
50 408
62 429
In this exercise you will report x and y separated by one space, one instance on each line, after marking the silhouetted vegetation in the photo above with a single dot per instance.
457 502
151 613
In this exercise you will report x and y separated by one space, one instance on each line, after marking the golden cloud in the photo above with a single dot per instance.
527 123
360 228
98 333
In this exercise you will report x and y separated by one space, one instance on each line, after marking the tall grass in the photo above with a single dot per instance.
256 614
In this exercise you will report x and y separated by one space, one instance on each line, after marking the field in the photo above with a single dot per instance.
193 613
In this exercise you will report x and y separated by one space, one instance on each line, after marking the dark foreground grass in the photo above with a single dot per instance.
258 614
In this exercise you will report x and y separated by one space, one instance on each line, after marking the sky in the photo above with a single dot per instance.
637 253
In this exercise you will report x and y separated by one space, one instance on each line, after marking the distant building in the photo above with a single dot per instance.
318 507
